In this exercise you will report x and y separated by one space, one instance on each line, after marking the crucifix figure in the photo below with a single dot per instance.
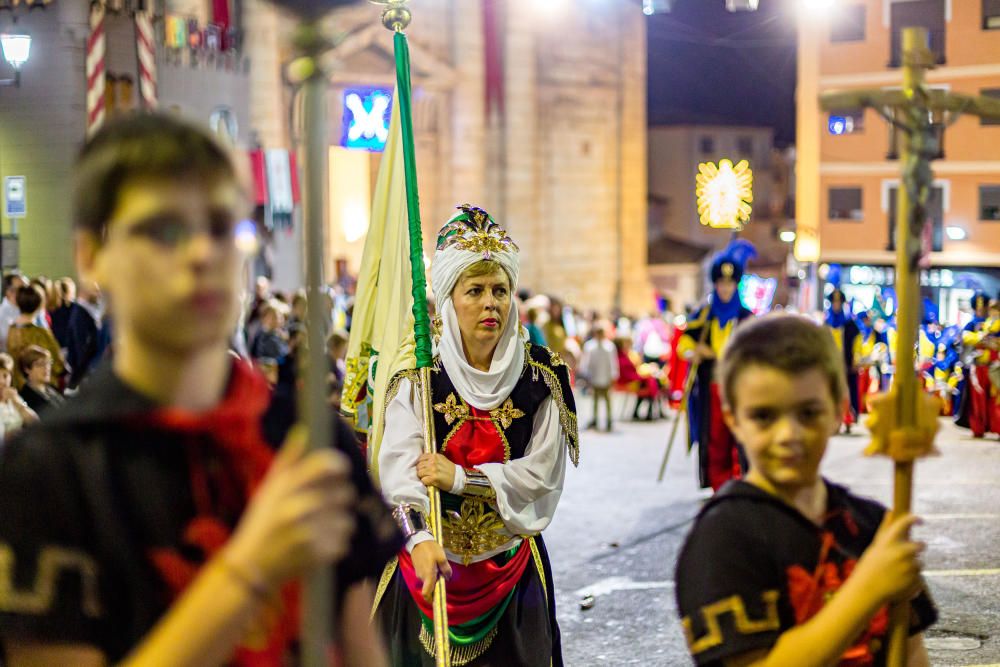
904 421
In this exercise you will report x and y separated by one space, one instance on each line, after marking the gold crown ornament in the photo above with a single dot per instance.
473 229
728 270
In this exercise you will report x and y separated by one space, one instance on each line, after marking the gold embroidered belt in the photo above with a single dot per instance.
475 529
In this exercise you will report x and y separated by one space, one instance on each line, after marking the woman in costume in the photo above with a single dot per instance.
504 423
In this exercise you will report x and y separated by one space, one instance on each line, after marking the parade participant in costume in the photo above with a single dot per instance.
982 413
784 564
946 371
719 455
148 521
845 331
679 366
505 423
928 336
869 350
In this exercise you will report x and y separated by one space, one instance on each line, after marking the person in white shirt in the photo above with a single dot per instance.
600 367
14 412
8 308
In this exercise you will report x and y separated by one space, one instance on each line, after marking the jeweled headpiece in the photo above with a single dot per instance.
471 236
474 230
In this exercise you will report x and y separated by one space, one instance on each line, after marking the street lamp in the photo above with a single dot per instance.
956 233
16 50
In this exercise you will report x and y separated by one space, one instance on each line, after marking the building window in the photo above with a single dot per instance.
935 214
990 92
989 202
707 145
744 146
991 14
919 13
845 204
846 122
849 25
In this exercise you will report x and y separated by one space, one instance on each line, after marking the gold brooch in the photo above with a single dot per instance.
452 409
506 413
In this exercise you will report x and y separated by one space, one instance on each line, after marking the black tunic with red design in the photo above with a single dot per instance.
111 505
754 567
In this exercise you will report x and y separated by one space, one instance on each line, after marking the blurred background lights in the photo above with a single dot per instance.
246 237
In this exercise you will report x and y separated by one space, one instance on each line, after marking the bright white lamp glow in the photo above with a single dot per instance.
724 192
956 233
246 237
787 236
16 49
818 7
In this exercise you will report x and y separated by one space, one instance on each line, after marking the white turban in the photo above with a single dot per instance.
471 237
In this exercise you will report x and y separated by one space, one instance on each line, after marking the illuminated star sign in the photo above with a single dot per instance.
366 118
724 194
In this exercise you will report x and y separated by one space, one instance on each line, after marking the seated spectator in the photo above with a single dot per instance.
25 332
271 341
44 286
14 412
8 308
534 330
336 350
645 387
36 367
61 308
84 332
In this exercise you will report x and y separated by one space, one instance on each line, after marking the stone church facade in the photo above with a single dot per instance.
562 166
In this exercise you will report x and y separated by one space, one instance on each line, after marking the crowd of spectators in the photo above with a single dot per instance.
53 332
51 335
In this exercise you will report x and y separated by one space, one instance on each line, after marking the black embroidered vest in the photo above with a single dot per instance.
544 374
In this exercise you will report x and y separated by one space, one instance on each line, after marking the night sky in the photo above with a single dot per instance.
710 66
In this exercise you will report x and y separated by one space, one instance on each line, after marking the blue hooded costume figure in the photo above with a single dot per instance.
845 331
719 456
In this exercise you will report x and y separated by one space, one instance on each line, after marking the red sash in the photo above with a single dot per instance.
473 589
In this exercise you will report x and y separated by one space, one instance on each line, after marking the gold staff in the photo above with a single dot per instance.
904 421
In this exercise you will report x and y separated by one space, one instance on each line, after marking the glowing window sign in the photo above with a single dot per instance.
757 293
366 118
724 194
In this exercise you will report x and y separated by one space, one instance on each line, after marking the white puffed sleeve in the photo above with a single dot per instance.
528 488
402 444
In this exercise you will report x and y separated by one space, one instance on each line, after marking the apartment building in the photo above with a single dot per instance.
848 172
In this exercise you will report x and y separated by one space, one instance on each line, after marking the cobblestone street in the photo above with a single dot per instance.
617 533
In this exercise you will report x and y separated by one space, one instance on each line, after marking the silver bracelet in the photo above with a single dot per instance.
477 485
409 519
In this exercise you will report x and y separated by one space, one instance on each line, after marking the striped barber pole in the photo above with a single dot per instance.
96 81
146 50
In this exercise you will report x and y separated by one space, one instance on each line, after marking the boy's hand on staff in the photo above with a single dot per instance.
703 352
436 470
429 561
300 516
890 567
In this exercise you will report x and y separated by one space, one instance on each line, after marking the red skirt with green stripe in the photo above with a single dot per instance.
501 612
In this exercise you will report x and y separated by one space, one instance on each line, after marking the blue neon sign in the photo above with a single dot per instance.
365 124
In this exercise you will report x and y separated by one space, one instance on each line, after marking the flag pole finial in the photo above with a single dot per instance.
396 16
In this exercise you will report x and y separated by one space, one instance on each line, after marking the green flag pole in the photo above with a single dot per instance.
396 17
